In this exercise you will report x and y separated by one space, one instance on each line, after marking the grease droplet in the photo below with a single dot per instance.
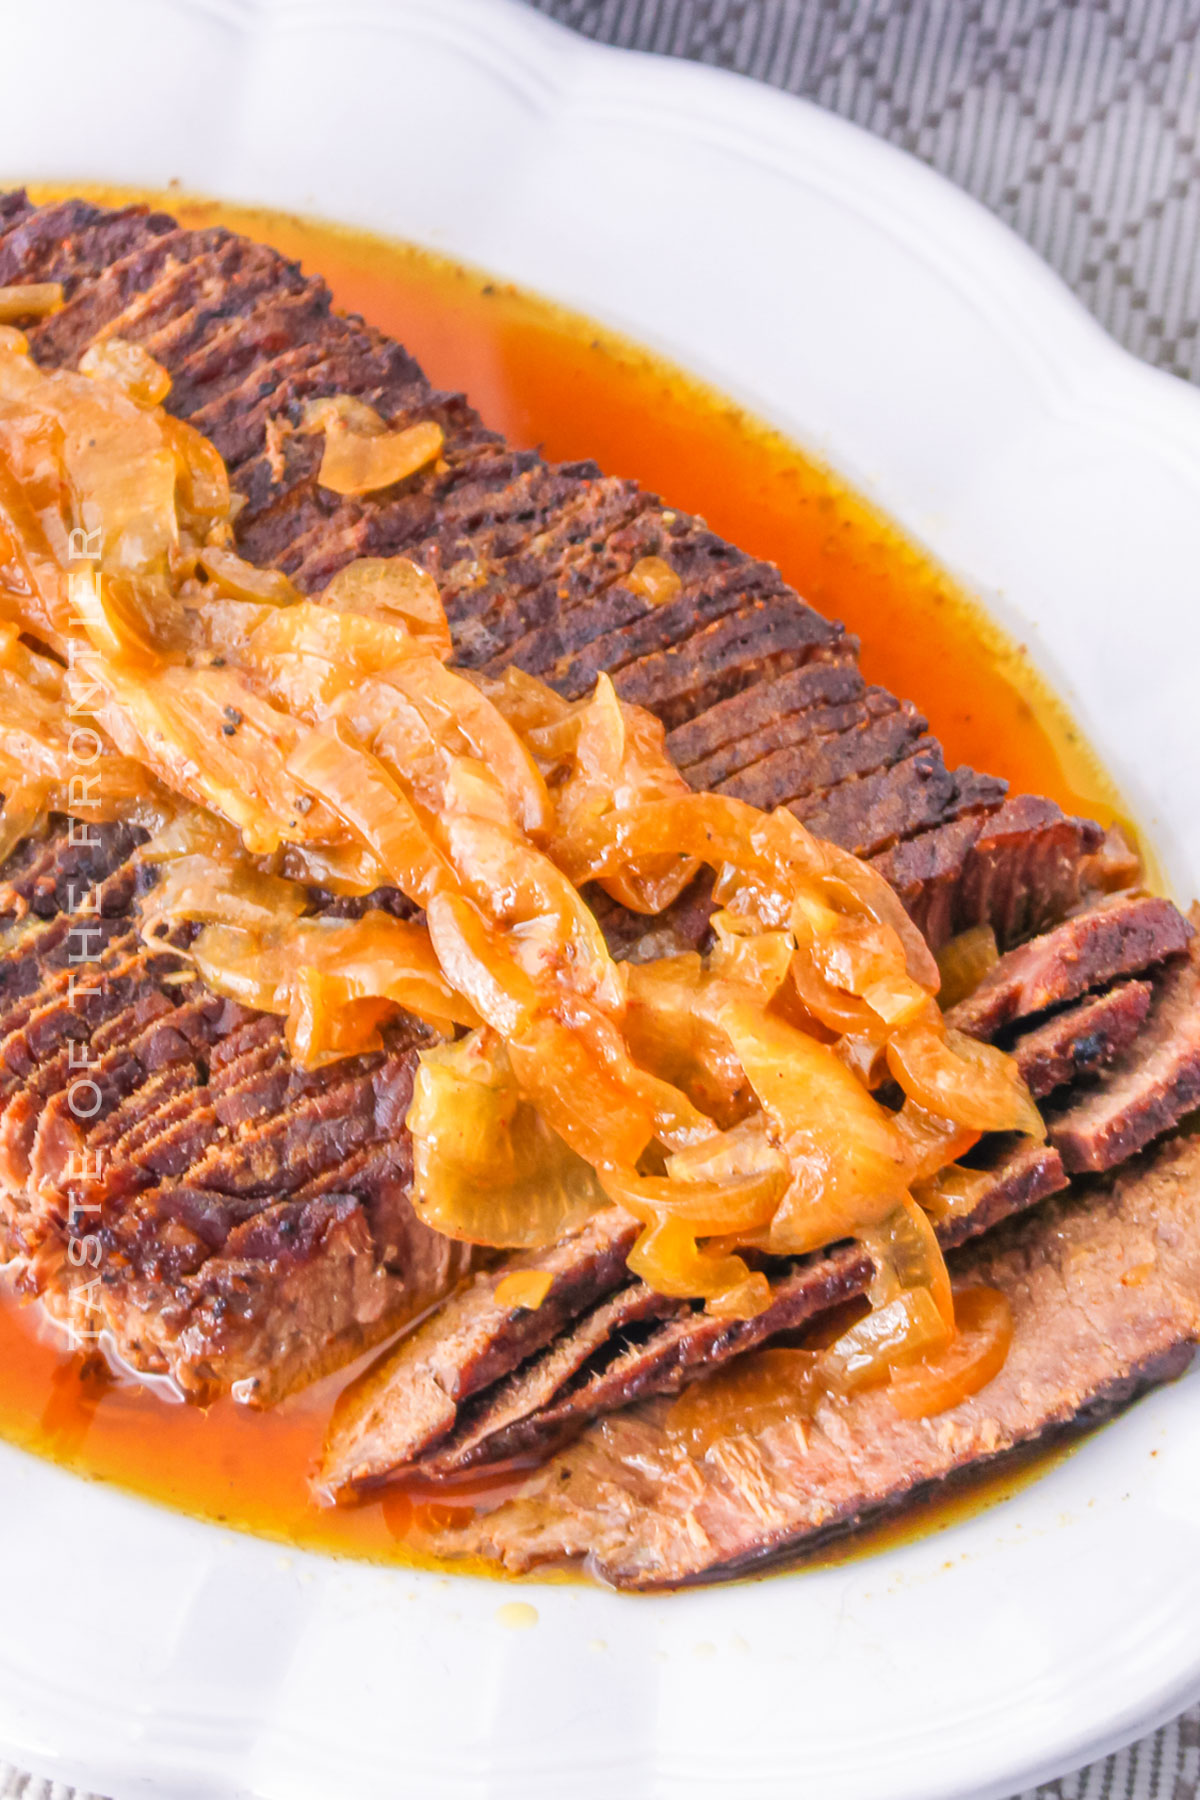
517 1615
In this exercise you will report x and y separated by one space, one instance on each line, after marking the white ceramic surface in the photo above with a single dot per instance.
854 299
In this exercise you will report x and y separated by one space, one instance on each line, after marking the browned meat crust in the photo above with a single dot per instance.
1017 868
760 694
1148 1089
221 1198
252 1219
1082 1039
411 1399
1106 1300
1120 936
412 1408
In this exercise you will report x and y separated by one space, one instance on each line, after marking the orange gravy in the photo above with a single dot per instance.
542 375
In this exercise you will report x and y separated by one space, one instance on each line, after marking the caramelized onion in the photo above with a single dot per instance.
908 1258
551 930
844 1154
964 962
531 708
210 738
447 702
972 1083
619 761
323 1025
201 888
903 1331
930 1141
670 1033
395 588
359 789
108 609
130 367
333 410
24 807
725 1098
757 961
943 1377
950 1191
485 1165
835 1008
201 477
478 967
526 1288
231 962
583 1081
357 462
709 1208
667 1258
33 300
654 579
378 957
245 581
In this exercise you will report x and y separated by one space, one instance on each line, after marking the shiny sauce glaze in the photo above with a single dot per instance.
545 376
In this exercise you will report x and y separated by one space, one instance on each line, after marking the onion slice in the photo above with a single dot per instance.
944 1377
486 1167
33 300
356 462
974 1084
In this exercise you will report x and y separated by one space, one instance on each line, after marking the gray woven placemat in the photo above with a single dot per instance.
1078 124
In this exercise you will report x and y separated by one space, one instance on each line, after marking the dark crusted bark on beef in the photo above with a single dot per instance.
253 1219
261 1283
898 802
534 564
810 701
68 1036
1105 1296
534 561
410 1400
1120 936
62 871
1018 868
514 1416
412 1410
1147 1090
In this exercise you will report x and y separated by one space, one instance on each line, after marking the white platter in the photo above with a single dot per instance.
854 299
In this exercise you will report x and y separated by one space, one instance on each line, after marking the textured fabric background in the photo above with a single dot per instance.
1077 123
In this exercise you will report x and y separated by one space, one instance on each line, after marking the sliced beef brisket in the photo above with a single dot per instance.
1105 1297
410 1400
412 1408
760 694
247 1223
61 871
1136 1040
1147 1090
1120 936
1082 1038
254 1220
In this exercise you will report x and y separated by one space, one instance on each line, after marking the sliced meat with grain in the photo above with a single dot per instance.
1105 1298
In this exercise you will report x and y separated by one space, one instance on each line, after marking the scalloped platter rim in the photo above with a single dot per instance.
854 299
